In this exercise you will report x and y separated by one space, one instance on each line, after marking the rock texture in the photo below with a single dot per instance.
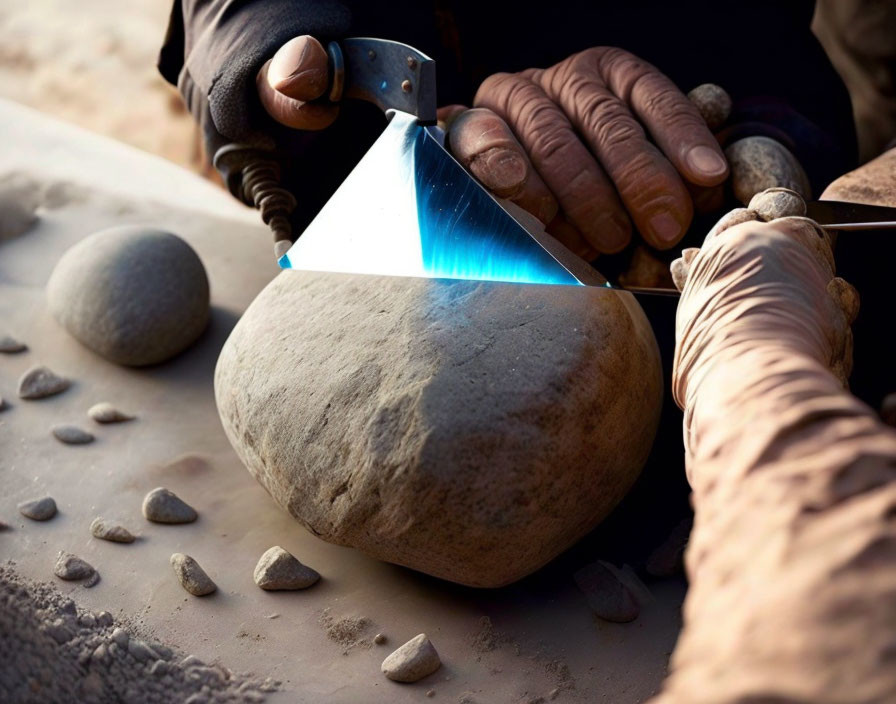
192 577
40 382
132 294
873 183
19 198
107 413
469 430
163 506
111 531
52 650
713 102
413 661
73 568
606 593
10 345
278 569
38 509
71 435
758 163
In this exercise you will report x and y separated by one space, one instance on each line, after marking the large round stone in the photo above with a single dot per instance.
134 295
465 429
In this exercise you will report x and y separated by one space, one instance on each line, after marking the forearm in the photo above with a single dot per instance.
792 559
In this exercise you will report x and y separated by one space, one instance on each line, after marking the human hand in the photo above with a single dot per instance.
764 276
569 145
290 83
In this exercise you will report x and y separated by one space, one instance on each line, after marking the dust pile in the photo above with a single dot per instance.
349 631
53 651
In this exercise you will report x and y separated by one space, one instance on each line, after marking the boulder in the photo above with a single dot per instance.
470 430
133 294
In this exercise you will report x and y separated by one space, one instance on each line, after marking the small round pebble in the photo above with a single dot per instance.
163 506
192 577
775 203
71 435
10 345
278 569
72 567
607 595
379 639
107 413
413 661
713 102
4 525
40 382
38 509
758 163
135 295
111 531
18 202
430 693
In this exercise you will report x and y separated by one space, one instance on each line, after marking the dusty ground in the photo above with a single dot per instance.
92 63
539 636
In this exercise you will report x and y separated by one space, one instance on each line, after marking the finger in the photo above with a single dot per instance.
568 235
291 112
446 115
586 196
299 69
672 119
648 184
485 145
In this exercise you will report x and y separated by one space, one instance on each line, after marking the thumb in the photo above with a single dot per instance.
299 69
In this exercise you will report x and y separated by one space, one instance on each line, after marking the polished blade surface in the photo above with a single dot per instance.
840 215
410 209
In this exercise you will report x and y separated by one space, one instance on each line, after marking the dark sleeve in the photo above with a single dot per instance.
214 48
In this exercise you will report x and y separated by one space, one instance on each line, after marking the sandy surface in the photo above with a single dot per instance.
93 63
542 636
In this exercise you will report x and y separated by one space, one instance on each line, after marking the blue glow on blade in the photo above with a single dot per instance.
465 234
410 209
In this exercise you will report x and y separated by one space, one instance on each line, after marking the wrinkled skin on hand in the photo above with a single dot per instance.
290 84
591 146
792 559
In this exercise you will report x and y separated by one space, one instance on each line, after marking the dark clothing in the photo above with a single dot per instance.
762 52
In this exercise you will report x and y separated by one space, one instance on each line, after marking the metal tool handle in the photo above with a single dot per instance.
391 75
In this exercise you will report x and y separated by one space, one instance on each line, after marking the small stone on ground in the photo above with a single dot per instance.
163 506
111 531
71 435
10 345
607 595
107 413
379 639
192 577
278 569
38 509
40 382
413 661
73 568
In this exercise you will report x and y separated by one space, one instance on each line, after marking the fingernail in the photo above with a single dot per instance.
707 161
299 67
501 170
665 227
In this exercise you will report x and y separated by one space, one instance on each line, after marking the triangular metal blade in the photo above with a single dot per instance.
409 209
